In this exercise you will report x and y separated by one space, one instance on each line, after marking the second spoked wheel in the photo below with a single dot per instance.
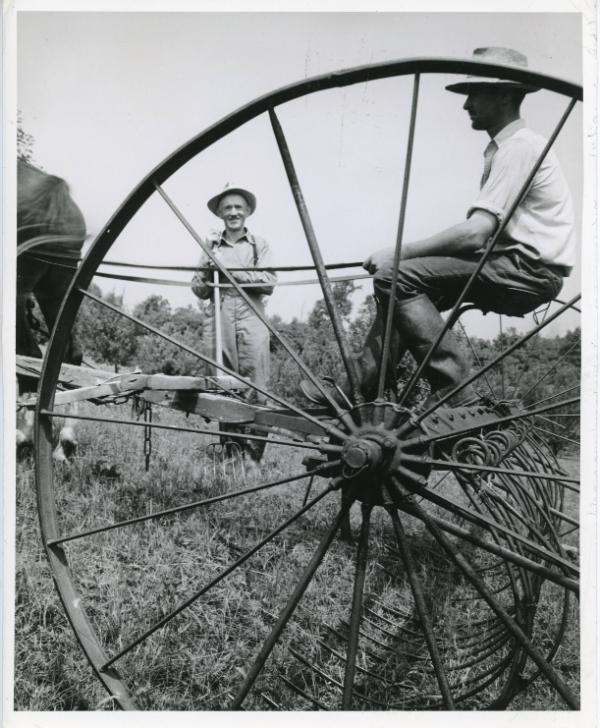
453 584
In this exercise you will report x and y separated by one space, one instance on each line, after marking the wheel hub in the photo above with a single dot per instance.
366 452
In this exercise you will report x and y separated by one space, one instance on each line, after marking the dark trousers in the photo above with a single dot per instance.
509 283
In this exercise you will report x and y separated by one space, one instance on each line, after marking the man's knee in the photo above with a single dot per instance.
405 289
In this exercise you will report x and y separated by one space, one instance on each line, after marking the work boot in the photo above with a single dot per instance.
367 367
419 324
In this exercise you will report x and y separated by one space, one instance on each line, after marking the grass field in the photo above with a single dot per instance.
132 576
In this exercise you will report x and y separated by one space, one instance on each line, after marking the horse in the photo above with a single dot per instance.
50 234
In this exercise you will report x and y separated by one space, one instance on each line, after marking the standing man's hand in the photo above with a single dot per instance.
380 262
218 257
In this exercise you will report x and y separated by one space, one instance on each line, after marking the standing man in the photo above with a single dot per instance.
245 339
528 263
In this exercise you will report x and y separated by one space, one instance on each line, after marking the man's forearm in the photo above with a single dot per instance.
466 237
456 240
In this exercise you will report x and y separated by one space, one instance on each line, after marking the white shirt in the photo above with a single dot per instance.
543 225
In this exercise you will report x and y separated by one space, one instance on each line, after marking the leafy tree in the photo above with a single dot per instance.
25 141
154 310
105 336
186 325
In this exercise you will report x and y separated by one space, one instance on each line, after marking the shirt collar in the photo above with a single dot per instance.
247 236
508 131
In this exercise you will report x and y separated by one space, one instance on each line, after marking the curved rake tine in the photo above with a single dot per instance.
422 610
343 638
478 519
488 251
526 503
252 305
496 550
520 637
188 602
292 603
557 640
302 693
181 509
315 251
357 599
483 652
471 378
387 332
363 670
564 517
336 683
496 533
288 405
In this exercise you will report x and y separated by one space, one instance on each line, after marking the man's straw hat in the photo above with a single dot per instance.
229 189
504 56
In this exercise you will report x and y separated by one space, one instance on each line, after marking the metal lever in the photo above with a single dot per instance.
217 307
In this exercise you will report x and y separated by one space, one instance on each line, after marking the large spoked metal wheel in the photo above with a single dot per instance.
458 581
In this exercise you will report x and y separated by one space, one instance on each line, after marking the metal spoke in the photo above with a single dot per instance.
308 487
480 586
502 376
357 602
553 434
387 333
422 610
554 396
454 465
315 251
332 681
188 602
325 447
577 415
252 306
332 430
476 358
490 246
481 520
188 506
292 603
551 422
495 549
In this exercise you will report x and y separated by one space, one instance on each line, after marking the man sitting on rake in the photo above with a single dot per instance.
533 254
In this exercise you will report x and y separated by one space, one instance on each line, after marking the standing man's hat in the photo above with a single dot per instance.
505 56
213 203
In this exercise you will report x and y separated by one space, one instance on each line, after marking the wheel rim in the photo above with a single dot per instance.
525 530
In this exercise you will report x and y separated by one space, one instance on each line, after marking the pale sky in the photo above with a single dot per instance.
108 95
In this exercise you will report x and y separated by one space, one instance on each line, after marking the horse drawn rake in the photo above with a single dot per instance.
464 516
